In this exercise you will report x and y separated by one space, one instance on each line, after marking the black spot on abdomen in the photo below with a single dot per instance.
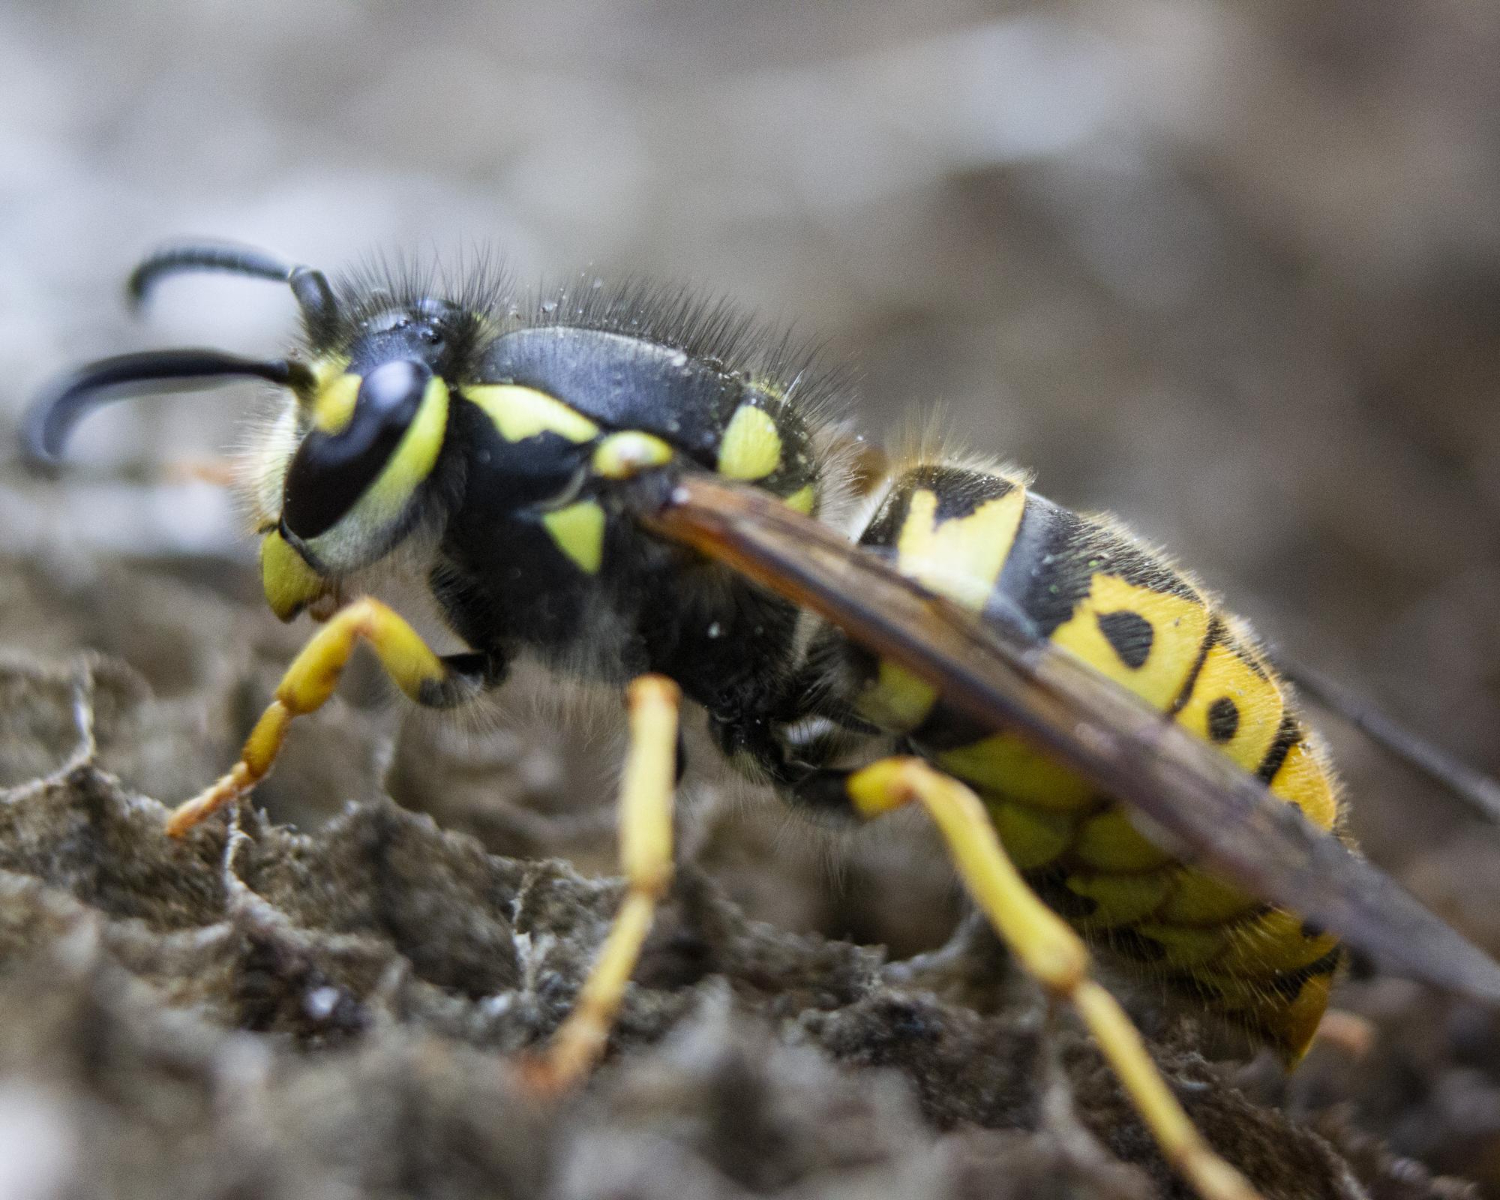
1129 634
1223 719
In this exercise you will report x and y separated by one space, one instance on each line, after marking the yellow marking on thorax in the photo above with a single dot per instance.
624 455
802 500
578 531
334 406
1178 626
1229 696
751 446
522 412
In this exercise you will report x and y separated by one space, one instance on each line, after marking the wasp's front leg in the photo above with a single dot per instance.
429 679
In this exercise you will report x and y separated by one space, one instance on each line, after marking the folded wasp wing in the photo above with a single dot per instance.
1200 805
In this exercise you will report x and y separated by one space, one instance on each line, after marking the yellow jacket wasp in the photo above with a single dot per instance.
636 487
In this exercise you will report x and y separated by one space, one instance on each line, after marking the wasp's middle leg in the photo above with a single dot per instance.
647 789
426 677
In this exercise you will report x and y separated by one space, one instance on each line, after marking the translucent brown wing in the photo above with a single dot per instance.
1199 803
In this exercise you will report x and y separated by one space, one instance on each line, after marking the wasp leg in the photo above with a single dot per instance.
646 791
1050 951
314 673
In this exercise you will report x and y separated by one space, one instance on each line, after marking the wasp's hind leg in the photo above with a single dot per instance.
427 678
646 792
1049 950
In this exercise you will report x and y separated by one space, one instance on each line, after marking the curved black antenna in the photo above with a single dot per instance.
55 413
309 285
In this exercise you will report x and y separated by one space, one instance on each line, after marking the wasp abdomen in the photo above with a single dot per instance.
982 539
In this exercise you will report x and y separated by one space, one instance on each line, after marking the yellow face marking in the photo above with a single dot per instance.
578 531
802 500
625 455
1032 837
1122 899
289 583
751 446
334 406
411 462
1200 899
1302 780
1003 765
522 412
960 558
1178 627
1233 706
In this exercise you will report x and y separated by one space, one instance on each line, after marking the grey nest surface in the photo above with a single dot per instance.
1229 271
331 997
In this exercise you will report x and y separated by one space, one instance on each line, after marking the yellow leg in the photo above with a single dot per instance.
646 791
1051 952
308 683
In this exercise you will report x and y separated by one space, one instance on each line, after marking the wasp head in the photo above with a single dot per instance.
339 477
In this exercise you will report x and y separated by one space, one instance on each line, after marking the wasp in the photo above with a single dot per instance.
640 489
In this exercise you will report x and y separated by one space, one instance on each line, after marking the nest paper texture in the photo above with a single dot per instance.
334 1002
1229 271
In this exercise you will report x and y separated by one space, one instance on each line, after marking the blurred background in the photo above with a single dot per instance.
1231 272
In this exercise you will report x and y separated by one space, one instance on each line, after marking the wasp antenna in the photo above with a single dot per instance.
315 299
1481 792
204 256
52 418
310 286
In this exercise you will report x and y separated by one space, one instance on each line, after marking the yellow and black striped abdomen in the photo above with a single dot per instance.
985 541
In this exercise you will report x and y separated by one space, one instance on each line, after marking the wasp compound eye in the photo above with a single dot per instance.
333 469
